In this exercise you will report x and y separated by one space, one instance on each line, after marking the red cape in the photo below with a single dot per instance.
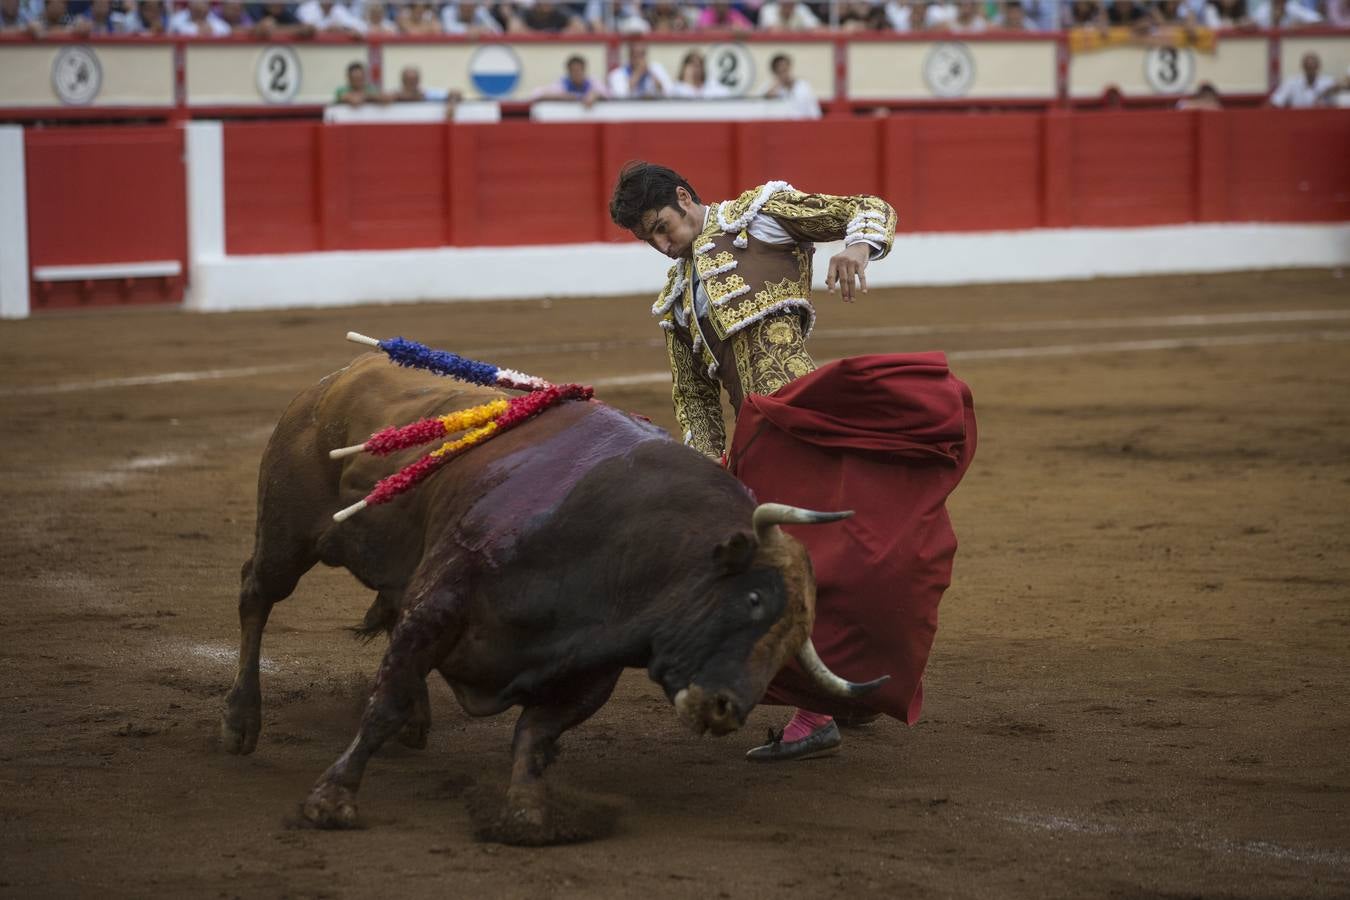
888 436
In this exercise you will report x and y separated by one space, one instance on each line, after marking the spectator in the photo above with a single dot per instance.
15 18
693 83
235 16
664 17
97 19
575 85
197 20
1206 97
358 90
149 17
1171 12
55 18
1128 14
786 86
470 19
545 17
328 17
787 15
1283 14
719 15
1225 14
278 19
377 19
410 89
1112 98
969 18
640 78
1015 17
1338 13
920 15
1306 89
416 18
1087 14
862 15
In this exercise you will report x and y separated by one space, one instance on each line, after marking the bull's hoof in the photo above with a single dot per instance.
414 735
539 819
330 806
239 730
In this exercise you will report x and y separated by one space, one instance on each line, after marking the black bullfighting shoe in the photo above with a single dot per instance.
857 719
821 742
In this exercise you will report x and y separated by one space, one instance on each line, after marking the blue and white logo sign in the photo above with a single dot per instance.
495 70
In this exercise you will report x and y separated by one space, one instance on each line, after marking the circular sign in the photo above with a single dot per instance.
76 75
1169 70
278 74
949 69
732 67
495 70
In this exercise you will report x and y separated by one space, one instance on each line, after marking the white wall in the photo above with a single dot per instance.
13 225
493 273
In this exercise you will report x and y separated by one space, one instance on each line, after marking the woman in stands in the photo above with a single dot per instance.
693 83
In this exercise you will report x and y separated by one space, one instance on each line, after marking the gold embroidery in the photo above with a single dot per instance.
707 263
697 399
720 288
825 217
770 353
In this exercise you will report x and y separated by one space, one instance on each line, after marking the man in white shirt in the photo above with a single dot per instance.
640 78
795 90
787 15
1283 14
328 16
197 20
1307 89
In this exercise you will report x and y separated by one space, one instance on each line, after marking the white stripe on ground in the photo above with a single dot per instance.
1114 324
1199 342
1192 835
141 380
1179 321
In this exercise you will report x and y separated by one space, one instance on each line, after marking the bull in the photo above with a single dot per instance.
529 572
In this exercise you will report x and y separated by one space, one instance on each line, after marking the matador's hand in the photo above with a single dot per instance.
846 270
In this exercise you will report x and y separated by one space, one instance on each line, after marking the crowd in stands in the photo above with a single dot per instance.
361 17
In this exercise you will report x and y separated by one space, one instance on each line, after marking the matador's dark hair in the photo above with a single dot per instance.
643 187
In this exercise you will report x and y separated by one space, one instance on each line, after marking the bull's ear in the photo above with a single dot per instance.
735 553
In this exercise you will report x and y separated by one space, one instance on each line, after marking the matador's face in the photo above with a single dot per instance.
673 229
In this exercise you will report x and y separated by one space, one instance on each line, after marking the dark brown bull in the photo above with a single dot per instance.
529 571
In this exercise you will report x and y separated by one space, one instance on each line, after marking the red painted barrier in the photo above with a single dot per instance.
105 196
292 188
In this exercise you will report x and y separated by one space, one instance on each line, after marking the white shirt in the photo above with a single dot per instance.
800 97
802 19
481 17
899 16
311 13
619 78
1294 15
1295 93
712 90
212 26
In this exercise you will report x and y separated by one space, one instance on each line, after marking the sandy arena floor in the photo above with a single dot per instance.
1139 689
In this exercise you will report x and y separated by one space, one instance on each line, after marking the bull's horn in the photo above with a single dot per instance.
831 683
769 514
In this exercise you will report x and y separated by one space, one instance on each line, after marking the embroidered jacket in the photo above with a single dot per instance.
751 337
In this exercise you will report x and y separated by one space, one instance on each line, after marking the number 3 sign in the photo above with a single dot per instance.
1170 70
278 74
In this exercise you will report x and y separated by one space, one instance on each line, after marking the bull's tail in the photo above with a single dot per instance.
379 619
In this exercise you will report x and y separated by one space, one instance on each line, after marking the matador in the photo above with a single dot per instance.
736 312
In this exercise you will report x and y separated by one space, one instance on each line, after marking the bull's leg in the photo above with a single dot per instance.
383 614
264 583
414 649
535 744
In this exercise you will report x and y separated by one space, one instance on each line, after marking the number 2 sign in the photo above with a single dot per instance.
278 74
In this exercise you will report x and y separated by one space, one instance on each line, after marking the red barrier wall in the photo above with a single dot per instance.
105 195
527 183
